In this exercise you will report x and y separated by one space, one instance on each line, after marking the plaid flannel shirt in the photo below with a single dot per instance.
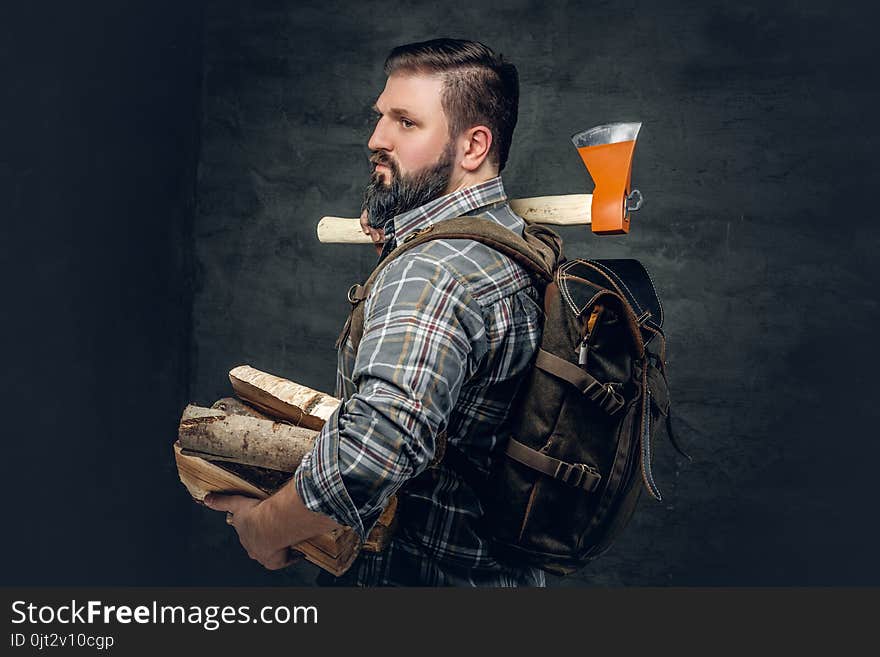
450 327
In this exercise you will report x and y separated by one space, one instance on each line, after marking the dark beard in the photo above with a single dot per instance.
406 192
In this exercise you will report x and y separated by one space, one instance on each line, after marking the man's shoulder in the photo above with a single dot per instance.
484 272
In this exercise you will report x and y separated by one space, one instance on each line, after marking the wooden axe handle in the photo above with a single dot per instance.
565 210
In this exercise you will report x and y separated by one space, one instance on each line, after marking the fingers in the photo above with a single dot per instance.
237 516
231 503
376 234
277 560
378 237
283 559
237 507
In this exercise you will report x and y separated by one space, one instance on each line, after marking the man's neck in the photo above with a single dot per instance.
471 178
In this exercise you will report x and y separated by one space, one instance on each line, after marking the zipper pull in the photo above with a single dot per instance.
591 323
582 351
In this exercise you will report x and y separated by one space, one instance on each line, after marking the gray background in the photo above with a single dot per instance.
168 168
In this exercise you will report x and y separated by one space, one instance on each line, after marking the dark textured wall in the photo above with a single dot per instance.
755 157
98 149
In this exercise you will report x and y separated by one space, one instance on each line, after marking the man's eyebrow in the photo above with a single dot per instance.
394 111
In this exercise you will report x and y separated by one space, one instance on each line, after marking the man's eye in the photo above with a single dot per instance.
406 123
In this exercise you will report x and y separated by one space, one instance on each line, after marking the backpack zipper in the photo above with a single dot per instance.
583 349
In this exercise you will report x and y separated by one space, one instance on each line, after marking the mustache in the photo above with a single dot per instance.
381 157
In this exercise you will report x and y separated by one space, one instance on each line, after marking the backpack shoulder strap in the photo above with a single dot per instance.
539 251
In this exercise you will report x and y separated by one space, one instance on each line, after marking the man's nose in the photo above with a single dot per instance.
379 140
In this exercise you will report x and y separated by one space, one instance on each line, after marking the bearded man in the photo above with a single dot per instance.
450 327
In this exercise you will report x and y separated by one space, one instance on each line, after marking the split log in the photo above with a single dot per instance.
192 412
282 398
212 435
264 478
233 406
250 447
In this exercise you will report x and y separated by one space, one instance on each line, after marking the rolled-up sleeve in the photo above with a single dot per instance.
423 336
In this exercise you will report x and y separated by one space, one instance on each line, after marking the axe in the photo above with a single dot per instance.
607 152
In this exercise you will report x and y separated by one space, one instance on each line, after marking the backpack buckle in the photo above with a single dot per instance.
354 294
613 401
578 475
607 396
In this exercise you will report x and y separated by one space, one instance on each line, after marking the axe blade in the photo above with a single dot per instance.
607 152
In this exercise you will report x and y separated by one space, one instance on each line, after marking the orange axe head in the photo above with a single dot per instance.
607 151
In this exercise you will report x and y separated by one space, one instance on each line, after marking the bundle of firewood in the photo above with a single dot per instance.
251 445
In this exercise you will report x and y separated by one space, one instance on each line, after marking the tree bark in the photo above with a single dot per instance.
282 398
233 406
212 435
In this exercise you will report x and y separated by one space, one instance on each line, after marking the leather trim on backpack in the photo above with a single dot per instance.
579 475
609 399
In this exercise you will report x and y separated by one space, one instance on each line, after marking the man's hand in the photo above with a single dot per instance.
243 515
269 527
376 234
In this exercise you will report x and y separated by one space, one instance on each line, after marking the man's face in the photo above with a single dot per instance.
413 157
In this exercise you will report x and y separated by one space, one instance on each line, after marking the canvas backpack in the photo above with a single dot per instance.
585 418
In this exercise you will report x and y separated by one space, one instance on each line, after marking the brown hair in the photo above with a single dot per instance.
479 87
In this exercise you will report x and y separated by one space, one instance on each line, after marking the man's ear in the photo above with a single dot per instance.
477 143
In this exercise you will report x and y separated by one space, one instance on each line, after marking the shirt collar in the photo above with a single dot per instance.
458 203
